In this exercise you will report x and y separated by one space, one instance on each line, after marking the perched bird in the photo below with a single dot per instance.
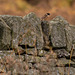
45 31
45 16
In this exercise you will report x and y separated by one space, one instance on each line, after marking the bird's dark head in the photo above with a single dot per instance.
48 13
45 16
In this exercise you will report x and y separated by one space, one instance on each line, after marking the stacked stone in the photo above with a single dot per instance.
44 47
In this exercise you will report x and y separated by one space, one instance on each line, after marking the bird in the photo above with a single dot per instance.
43 24
45 16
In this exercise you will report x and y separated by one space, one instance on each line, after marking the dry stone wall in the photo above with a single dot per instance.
30 46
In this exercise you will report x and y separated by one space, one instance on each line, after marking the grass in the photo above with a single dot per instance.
70 61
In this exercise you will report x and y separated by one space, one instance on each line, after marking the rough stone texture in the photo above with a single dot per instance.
73 38
33 32
62 53
72 33
15 23
46 32
31 51
73 53
57 32
61 62
41 53
5 35
32 59
33 72
25 31
34 65
6 53
72 71
58 37
56 60
68 37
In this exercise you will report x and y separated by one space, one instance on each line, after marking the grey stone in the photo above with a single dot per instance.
31 51
41 67
33 72
46 32
69 70
13 64
58 37
51 55
24 31
49 62
56 70
5 35
59 71
37 62
73 33
15 23
33 32
41 52
68 37
32 59
4 53
62 53
64 62
72 39
73 53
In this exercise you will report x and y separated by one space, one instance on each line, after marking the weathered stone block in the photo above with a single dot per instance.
58 37
32 59
64 62
73 33
62 53
46 32
68 37
5 35
15 23
31 51
32 31
25 31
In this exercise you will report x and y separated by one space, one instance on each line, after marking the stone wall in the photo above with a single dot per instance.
30 46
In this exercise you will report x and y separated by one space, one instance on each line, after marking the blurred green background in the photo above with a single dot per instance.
65 8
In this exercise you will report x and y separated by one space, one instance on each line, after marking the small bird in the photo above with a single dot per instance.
43 24
45 16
